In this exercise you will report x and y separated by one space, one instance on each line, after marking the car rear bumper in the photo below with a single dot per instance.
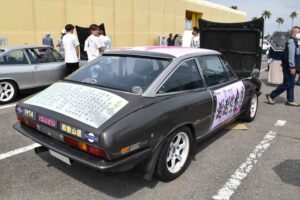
119 165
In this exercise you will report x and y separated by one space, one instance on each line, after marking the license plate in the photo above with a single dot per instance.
60 157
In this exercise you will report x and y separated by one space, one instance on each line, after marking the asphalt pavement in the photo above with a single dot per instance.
274 174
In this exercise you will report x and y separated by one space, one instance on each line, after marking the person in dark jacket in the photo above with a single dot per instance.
170 40
289 59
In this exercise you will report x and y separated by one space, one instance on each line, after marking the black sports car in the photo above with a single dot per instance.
146 105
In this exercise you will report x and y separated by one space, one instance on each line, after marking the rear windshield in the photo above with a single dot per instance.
130 74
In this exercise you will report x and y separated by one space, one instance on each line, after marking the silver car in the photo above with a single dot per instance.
27 67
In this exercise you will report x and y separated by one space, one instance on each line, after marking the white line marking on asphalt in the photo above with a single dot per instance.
18 151
234 181
7 106
280 123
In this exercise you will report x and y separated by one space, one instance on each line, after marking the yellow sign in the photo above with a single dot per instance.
29 113
71 130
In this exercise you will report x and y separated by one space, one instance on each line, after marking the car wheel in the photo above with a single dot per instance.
251 109
8 91
175 155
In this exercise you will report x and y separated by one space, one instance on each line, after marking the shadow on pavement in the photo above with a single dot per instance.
289 172
119 185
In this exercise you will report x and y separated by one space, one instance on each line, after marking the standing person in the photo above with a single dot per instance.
71 46
298 59
178 41
290 55
174 38
47 40
170 40
105 40
93 45
196 38
60 44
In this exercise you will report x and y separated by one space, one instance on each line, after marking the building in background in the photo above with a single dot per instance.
128 22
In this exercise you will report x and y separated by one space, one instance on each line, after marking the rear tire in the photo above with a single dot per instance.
175 155
251 109
8 91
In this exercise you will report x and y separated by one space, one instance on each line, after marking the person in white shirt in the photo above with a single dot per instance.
71 46
196 38
93 45
106 40
60 44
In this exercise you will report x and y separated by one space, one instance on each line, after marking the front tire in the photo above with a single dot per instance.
251 109
175 156
8 91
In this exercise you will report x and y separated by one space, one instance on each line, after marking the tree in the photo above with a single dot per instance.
280 21
266 15
293 15
254 18
234 7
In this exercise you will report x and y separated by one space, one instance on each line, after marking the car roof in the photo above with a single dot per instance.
171 52
9 48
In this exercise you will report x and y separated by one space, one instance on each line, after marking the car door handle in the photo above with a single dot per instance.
35 67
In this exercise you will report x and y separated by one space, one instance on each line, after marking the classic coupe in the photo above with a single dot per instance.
27 67
146 106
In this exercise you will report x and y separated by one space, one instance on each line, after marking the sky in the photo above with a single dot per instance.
278 8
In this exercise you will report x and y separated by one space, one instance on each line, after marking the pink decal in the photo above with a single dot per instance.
229 102
47 121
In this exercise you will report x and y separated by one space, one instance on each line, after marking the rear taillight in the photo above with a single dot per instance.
85 147
26 121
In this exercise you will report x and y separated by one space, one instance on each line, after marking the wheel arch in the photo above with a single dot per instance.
150 165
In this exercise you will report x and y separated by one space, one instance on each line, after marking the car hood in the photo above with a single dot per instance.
87 107
238 42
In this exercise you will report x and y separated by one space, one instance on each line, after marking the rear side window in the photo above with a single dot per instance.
40 55
186 77
13 57
213 70
230 73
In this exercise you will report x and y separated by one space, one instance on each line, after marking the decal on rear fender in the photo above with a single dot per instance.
229 101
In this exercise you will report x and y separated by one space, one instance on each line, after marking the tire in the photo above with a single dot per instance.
251 109
8 91
173 159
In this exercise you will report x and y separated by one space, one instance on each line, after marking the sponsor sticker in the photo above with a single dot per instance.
91 137
20 110
26 113
48 121
70 130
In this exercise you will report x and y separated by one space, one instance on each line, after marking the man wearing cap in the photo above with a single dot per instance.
60 44
47 40
289 61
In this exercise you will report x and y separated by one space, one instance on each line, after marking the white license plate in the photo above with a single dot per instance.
60 157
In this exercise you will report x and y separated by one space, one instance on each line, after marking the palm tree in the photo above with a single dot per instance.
266 15
293 15
280 21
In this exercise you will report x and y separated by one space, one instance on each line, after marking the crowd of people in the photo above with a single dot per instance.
68 45
177 39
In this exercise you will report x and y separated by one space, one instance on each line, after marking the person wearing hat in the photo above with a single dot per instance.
47 40
60 44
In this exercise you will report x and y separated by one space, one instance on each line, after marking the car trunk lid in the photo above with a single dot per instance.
90 109
238 42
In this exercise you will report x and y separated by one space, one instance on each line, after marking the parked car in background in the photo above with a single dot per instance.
27 67
266 46
145 105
